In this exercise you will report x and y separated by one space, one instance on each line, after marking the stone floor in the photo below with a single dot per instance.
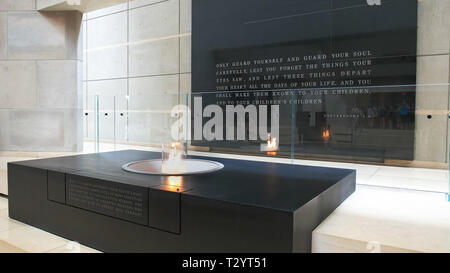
376 219
17 237
373 219
394 209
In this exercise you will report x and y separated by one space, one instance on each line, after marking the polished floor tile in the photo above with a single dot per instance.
422 184
73 247
16 237
363 178
3 202
8 248
417 173
6 223
32 239
324 243
366 169
394 219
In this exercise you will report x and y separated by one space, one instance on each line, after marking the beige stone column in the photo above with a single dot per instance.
433 73
40 79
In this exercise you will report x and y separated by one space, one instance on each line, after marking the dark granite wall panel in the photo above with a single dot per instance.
349 68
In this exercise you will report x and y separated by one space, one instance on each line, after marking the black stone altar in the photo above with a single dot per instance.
246 207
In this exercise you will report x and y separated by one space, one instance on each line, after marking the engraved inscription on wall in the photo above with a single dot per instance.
338 73
128 203
343 76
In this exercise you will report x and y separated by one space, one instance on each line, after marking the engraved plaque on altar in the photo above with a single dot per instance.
104 197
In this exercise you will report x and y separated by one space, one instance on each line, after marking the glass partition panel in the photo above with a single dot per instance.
150 118
107 136
91 124
123 122
362 123
246 123
100 124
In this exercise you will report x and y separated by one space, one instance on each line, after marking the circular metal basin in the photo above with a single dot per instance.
190 166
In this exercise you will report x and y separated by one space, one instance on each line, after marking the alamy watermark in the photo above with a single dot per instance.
235 122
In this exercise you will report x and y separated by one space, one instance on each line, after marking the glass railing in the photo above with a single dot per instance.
353 124
348 128
121 122
390 125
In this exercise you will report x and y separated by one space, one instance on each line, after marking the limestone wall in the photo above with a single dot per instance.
142 50
40 79
433 71
138 50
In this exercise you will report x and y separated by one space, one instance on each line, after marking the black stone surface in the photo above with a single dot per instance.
233 31
56 187
246 207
